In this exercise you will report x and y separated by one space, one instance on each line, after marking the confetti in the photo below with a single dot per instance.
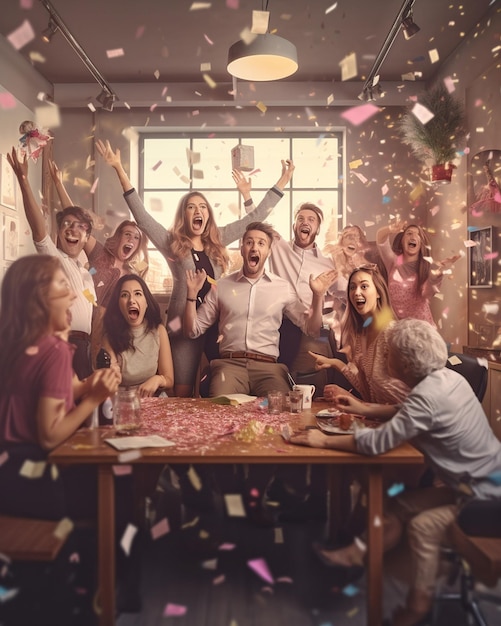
234 505
122 470
174 610
260 21
117 52
349 66
423 114
331 8
361 113
351 590
395 489
260 567
262 107
7 101
32 469
64 528
160 529
127 538
22 35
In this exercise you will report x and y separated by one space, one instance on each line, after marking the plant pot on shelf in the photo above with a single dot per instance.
442 173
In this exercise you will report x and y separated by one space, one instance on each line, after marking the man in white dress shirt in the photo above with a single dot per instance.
250 305
295 260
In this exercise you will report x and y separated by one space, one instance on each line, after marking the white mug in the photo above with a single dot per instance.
308 391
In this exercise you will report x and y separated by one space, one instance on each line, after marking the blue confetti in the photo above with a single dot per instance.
367 322
92 270
495 478
386 199
395 489
350 591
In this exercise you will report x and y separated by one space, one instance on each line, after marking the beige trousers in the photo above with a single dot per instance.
427 515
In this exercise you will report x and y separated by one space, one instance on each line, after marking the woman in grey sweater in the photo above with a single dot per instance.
194 242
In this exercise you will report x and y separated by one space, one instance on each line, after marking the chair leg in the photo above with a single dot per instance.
469 600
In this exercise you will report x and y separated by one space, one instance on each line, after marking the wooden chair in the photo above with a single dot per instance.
23 539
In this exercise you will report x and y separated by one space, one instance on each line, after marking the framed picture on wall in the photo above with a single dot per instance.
10 238
7 184
480 266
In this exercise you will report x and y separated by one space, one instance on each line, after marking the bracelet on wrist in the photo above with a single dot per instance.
191 299
248 202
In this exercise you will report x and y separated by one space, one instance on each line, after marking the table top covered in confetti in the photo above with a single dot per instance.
202 431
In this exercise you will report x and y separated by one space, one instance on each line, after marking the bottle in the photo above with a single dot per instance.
105 409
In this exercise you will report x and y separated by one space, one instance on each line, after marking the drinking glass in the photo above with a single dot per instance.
296 400
126 411
275 402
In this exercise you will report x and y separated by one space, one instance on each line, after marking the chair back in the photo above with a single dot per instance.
474 372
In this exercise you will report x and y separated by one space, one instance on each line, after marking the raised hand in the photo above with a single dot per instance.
244 185
321 362
106 151
20 167
322 282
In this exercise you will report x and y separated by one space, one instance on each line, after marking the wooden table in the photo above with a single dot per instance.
210 433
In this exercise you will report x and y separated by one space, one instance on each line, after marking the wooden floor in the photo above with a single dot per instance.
215 587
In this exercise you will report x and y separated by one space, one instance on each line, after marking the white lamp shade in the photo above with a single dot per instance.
267 57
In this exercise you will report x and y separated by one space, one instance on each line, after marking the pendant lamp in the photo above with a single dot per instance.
266 57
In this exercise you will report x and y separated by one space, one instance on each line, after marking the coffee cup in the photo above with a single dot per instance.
308 391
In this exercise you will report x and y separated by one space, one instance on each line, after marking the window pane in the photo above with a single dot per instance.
268 153
316 162
215 163
165 163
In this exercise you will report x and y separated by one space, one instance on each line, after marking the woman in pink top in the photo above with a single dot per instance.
363 339
413 278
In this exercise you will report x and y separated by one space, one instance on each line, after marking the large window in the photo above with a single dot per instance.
170 166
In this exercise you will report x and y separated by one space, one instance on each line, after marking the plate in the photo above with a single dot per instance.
330 426
330 429
328 413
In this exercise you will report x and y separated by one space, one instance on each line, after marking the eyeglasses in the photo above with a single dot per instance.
81 226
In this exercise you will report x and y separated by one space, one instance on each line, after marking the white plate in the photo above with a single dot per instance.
330 429
328 413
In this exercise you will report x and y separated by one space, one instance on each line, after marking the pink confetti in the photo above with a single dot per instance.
209 41
113 54
140 31
260 567
160 529
122 470
175 324
174 610
3 457
227 546
219 579
232 4
491 255
153 107
359 114
31 350
94 186
156 166
74 557
7 101
22 35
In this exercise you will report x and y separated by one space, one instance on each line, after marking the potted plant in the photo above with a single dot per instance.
434 143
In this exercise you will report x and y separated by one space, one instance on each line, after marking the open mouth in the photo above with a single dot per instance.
359 304
305 230
253 260
197 222
133 313
127 249
351 249
412 244
71 240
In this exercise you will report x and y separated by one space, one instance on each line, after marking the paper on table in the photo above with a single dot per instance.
148 441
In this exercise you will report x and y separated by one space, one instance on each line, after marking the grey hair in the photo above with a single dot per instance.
419 345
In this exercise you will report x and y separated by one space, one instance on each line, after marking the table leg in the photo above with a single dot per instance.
375 547
106 544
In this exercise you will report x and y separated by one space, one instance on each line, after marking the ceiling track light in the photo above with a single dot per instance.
402 20
49 32
409 27
59 24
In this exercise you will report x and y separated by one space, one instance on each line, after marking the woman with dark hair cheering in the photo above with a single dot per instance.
136 339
